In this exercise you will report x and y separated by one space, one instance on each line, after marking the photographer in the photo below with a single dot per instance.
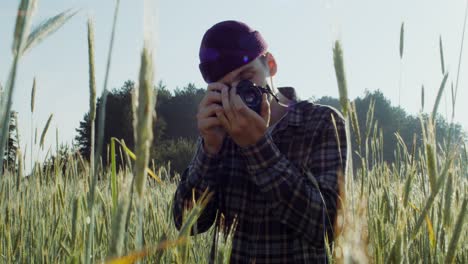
272 161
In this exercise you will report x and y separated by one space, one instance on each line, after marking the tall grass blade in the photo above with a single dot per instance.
25 13
93 183
407 189
134 157
20 169
113 182
111 44
344 101
33 95
460 59
190 217
75 216
22 28
44 131
453 99
448 201
428 205
143 133
118 228
100 140
450 257
370 117
92 91
355 124
442 65
340 76
396 252
430 229
431 165
23 19
422 98
14 115
439 95
136 255
46 28
402 36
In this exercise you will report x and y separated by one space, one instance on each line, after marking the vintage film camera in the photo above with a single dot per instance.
251 94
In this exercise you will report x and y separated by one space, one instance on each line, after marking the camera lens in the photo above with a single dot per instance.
249 97
250 94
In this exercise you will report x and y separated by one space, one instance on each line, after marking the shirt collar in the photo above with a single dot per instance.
294 115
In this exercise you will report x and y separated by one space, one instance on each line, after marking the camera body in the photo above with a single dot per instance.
251 94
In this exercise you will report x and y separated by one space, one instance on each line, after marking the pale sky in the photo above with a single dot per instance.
300 34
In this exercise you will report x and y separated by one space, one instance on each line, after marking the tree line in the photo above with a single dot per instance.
175 127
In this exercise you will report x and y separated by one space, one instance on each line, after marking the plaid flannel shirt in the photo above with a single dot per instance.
281 215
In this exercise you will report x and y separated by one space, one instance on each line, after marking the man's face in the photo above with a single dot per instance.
256 71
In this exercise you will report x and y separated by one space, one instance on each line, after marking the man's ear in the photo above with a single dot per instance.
271 64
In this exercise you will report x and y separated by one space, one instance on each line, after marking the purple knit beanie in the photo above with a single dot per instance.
227 46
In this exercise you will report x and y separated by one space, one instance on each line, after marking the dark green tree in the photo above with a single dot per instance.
180 113
179 152
119 121
83 139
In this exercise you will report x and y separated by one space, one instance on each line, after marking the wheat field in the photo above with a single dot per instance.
411 211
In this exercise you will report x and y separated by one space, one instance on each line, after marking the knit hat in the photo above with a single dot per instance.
227 46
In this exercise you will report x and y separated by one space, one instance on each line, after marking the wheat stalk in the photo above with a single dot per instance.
442 64
340 77
144 133
439 95
402 38
92 90
459 61
33 98
422 98
44 131
450 257
46 28
100 139
23 20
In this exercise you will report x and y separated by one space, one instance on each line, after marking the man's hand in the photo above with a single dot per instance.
208 124
244 125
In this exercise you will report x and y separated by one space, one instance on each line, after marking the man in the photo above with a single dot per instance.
274 172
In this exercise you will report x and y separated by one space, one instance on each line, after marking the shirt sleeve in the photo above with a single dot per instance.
304 204
198 176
